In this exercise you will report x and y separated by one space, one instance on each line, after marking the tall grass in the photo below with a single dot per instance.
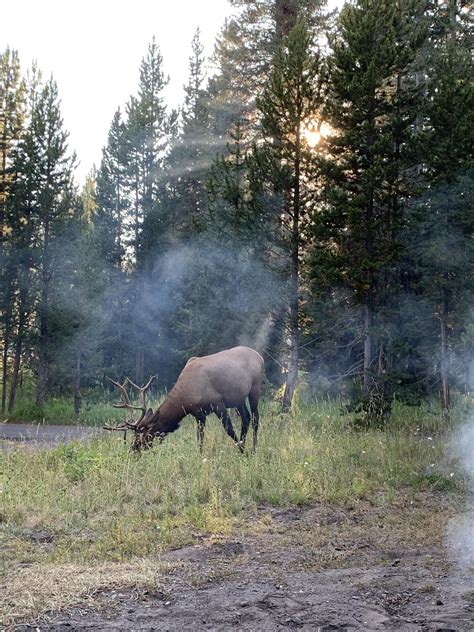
96 501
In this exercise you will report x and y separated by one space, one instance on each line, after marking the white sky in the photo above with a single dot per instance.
93 48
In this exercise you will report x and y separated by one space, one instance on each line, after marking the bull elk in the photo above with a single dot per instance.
210 384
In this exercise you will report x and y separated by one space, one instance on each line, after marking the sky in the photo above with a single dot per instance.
93 49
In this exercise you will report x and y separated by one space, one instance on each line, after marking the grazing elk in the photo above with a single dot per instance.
210 384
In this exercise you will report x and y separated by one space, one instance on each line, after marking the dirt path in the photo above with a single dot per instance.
41 434
318 568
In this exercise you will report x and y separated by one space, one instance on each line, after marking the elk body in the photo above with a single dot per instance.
210 384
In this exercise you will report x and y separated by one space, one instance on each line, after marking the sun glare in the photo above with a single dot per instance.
313 132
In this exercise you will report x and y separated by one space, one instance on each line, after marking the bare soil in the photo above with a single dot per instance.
314 568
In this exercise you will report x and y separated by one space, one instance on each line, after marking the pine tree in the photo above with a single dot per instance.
244 55
148 131
111 201
443 215
185 198
45 184
12 112
81 324
372 108
289 106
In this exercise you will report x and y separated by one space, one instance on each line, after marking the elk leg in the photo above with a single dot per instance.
245 416
224 416
253 401
201 423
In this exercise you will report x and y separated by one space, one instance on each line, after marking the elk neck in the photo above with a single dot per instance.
169 415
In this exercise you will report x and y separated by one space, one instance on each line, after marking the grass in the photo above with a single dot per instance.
96 501
60 410
93 506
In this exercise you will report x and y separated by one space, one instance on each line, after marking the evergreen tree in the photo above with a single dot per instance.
111 201
290 104
442 242
79 297
185 197
372 109
45 183
148 131
244 55
12 112
227 291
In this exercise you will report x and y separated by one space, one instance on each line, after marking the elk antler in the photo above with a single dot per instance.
125 403
142 390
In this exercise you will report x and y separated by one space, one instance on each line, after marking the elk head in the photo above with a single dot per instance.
143 438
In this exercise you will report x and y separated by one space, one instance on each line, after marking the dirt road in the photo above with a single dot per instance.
41 434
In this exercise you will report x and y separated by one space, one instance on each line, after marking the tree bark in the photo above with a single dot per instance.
18 350
368 347
7 330
445 391
43 360
6 346
292 376
286 15
77 384
294 284
140 366
15 374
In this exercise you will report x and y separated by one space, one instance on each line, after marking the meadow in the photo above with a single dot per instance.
97 501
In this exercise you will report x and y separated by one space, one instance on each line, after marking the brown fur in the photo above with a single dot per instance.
209 384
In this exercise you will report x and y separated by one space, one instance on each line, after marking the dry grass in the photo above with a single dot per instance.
30 591
297 539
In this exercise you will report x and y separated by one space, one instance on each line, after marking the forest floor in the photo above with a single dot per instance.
309 568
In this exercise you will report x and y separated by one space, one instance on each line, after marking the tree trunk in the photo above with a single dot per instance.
445 394
286 15
140 366
18 350
77 385
43 355
15 375
294 284
368 346
42 375
7 331
6 345
292 376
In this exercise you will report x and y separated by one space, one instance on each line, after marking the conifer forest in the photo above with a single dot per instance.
311 198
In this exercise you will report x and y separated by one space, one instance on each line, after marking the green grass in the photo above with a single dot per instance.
60 410
97 410
96 501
